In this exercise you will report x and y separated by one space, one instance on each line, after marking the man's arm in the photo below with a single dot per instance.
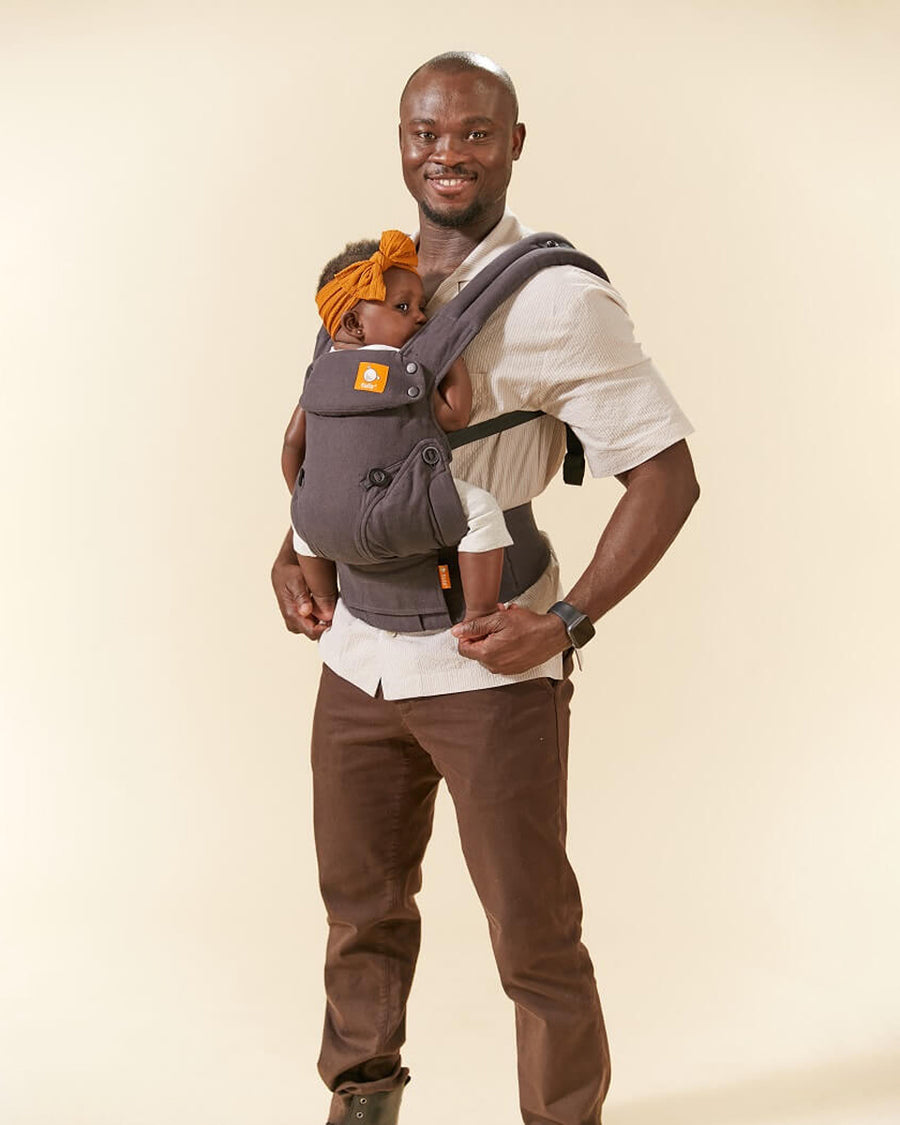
659 495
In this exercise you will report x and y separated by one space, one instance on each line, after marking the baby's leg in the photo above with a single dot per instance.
481 573
320 576
481 549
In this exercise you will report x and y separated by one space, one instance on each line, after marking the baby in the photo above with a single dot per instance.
371 296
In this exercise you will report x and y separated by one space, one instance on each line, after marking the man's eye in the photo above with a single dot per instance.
425 136
477 135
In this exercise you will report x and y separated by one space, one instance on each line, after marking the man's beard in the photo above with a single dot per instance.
456 219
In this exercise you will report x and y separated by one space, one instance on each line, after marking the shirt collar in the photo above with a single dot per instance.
506 233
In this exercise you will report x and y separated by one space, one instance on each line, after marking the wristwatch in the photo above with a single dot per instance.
578 625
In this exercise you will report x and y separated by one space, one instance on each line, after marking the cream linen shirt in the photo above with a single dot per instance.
564 344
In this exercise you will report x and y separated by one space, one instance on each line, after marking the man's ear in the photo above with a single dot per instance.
518 139
352 324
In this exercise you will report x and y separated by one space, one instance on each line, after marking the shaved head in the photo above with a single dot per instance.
458 62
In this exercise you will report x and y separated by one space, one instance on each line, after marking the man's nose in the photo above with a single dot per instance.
448 150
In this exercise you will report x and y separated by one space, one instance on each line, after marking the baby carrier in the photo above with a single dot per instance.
375 492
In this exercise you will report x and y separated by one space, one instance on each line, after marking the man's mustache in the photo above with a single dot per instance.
455 170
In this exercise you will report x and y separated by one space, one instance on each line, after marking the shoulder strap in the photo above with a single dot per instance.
466 315
453 327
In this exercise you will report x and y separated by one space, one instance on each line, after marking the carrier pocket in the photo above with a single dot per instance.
446 509
410 507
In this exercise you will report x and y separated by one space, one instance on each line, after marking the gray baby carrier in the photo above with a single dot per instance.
375 492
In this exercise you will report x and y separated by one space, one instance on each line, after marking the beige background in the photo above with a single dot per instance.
173 177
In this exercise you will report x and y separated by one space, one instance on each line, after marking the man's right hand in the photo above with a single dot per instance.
292 594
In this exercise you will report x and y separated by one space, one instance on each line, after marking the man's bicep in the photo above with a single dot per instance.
674 461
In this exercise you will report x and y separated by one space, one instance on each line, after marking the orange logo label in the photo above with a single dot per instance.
444 572
371 377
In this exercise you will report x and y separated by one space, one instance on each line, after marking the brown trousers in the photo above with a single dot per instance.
376 768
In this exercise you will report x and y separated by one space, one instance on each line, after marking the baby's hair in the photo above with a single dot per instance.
352 252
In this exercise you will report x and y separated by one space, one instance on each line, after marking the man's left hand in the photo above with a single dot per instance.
511 640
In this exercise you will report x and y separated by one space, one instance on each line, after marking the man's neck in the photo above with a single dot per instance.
442 249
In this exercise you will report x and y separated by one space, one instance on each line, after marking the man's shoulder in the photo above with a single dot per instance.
568 291
559 284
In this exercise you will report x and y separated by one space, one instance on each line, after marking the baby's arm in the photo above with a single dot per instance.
294 449
452 400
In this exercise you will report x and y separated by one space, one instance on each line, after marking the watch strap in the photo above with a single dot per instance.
578 624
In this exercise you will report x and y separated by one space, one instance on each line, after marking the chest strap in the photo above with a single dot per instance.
573 465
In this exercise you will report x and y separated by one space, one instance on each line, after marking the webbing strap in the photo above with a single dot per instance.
573 465
497 425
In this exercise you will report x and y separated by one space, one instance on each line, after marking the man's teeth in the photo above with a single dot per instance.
447 181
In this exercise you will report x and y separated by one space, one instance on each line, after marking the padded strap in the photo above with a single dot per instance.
453 327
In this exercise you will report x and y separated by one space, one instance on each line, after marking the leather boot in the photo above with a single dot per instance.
372 1109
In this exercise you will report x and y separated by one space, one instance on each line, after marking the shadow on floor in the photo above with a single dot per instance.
842 1086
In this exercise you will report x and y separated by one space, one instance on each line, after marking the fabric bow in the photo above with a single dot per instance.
364 281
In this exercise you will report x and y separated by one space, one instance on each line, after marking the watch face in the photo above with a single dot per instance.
581 632
578 625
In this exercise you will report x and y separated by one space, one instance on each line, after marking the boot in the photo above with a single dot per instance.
372 1109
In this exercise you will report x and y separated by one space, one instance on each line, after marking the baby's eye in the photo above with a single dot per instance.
403 306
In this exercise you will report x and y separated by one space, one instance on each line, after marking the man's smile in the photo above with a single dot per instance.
445 183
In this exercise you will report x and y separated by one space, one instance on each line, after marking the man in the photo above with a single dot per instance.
484 706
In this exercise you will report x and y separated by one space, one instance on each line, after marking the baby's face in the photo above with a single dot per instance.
400 315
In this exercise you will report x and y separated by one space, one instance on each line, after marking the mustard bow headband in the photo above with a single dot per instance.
364 281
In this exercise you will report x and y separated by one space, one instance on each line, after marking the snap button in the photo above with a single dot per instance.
362 1101
378 477
413 392
551 242
412 368
431 455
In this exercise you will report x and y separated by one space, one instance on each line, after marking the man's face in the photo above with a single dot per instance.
399 316
458 141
